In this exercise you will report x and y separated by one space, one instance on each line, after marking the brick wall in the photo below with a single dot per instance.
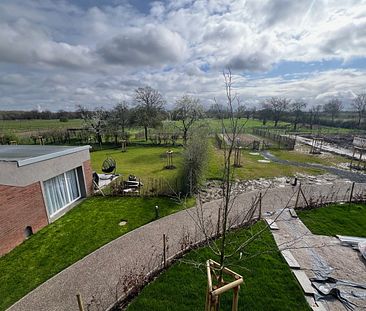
88 173
20 207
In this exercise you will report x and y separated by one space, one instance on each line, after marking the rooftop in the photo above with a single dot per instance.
28 154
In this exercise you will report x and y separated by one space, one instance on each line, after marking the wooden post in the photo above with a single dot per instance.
351 194
303 195
297 197
260 205
164 250
80 302
235 299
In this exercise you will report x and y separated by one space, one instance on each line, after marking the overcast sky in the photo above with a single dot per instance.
59 54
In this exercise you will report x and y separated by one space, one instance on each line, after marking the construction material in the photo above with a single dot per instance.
272 224
292 213
304 282
290 259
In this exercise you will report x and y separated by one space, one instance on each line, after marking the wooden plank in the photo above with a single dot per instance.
304 282
292 213
272 225
290 259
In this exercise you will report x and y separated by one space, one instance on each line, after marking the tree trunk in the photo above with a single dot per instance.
276 121
145 127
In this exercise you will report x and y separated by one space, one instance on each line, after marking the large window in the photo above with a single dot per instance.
61 191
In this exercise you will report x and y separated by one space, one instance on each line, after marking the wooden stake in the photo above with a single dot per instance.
260 205
235 299
351 194
303 195
297 197
164 250
80 302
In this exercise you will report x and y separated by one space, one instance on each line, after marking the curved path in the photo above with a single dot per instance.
348 174
96 276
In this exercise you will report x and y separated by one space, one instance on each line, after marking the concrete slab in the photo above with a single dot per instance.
304 282
290 259
272 224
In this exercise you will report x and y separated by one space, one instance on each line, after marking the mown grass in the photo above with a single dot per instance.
141 161
251 168
268 281
84 229
343 219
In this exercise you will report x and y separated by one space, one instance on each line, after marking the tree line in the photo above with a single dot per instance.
148 109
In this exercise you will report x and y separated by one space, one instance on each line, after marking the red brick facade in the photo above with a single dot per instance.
20 207
88 174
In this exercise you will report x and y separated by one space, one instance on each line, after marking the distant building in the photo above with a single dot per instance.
38 184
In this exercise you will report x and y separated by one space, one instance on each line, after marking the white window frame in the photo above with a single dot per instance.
67 191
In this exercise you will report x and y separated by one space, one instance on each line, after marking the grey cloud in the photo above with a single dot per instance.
255 62
349 38
25 43
151 45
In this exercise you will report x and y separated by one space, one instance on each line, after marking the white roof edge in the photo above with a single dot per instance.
52 155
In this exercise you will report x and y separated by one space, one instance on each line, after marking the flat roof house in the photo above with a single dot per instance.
38 184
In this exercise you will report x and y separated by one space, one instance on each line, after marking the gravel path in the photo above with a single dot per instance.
96 276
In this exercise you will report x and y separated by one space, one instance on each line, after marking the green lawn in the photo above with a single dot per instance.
84 229
251 168
141 161
343 219
268 282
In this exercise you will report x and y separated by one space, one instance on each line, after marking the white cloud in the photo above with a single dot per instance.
62 54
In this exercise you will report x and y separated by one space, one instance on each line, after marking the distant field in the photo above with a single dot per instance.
214 125
34 125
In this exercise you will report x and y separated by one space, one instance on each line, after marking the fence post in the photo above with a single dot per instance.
297 197
351 194
80 302
260 205
164 250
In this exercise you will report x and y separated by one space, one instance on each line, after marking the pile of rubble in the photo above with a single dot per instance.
212 189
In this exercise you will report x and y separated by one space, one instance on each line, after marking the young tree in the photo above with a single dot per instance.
359 105
333 107
277 106
96 120
150 106
297 111
188 110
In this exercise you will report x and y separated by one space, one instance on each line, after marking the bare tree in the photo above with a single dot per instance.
150 105
277 106
333 107
315 115
297 110
359 105
188 110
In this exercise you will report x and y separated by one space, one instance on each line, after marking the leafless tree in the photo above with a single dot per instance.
296 108
333 107
187 110
277 105
359 105
150 105
314 115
